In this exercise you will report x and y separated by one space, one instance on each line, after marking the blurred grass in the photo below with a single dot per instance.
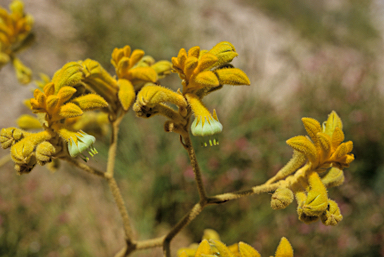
341 74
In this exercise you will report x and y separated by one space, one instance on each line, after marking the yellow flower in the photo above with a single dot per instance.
133 71
202 72
55 105
214 247
15 35
317 164
326 148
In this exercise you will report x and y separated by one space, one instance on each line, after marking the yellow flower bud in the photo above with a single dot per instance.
248 251
126 93
26 121
333 177
9 136
317 198
204 248
232 76
331 216
23 73
44 153
284 249
281 198
210 234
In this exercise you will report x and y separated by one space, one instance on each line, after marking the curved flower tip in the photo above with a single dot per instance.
207 126
284 249
80 143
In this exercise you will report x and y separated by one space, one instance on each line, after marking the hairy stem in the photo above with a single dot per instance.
122 209
196 168
85 167
191 215
112 182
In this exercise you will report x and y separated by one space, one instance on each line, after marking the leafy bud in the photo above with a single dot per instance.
44 153
281 198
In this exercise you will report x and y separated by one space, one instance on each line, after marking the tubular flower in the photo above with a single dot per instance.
214 247
201 72
15 35
133 71
317 164
60 101
326 148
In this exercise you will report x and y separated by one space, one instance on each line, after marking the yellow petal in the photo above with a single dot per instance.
26 121
305 146
190 65
337 137
248 251
90 102
181 57
222 248
232 76
207 60
151 95
69 75
137 54
204 248
312 127
142 73
324 145
126 93
284 249
331 124
342 150
49 89
205 79
52 102
333 177
317 198
65 93
224 51
70 110
211 234
194 51
183 254
162 68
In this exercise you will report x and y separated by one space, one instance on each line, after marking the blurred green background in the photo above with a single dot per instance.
304 58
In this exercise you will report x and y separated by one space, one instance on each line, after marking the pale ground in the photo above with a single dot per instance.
262 45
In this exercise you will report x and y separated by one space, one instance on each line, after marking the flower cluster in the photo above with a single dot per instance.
15 35
133 71
60 100
324 156
212 246
201 72
60 104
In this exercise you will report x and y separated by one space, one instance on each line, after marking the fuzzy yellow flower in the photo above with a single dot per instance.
214 247
59 101
201 72
133 71
15 35
317 164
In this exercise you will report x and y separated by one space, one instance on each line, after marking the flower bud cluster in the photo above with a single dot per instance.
212 246
324 159
15 35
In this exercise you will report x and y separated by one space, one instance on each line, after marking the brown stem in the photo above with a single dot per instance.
191 215
112 182
222 198
122 209
85 167
196 169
